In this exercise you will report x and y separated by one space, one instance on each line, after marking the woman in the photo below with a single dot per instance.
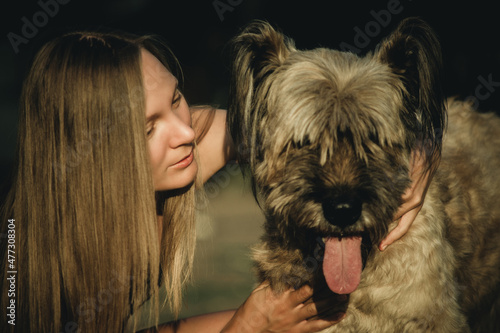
102 127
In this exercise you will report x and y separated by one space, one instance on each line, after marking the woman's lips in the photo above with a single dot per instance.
186 161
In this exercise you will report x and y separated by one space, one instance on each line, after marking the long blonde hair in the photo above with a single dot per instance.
86 232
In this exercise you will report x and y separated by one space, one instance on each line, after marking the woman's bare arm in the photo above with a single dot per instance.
264 311
207 323
216 147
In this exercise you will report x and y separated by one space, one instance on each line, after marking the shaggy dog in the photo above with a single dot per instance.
329 137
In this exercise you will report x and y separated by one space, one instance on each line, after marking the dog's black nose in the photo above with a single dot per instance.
342 212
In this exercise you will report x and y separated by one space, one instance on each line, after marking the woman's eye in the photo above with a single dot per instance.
177 98
149 130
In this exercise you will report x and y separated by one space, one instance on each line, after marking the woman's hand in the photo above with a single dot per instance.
292 311
413 198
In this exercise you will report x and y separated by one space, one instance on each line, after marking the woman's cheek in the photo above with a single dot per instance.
155 156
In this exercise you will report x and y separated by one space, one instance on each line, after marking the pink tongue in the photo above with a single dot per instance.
342 264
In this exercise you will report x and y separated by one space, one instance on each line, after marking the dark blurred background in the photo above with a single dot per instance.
198 32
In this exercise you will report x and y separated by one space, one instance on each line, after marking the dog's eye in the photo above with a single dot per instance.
302 143
374 137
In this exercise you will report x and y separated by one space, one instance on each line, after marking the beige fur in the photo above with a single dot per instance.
328 137
448 262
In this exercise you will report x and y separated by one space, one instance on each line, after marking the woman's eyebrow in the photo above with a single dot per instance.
156 114
152 117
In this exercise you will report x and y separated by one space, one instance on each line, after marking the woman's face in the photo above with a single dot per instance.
168 127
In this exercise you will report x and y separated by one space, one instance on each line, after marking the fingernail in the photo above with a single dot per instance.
383 247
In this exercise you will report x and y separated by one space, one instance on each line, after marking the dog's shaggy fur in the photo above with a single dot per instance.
329 138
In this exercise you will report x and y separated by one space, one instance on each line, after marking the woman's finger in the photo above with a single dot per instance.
330 307
261 286
302 294
403 225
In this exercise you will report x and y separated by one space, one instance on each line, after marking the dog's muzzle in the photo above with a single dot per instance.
342 211
342 261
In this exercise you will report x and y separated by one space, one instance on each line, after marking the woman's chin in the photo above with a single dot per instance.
177 179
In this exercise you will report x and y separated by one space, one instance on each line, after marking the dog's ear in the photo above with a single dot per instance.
413 52
256 53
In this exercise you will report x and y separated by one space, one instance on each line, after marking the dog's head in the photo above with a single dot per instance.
328 136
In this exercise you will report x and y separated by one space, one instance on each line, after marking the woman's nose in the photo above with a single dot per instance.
182 132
